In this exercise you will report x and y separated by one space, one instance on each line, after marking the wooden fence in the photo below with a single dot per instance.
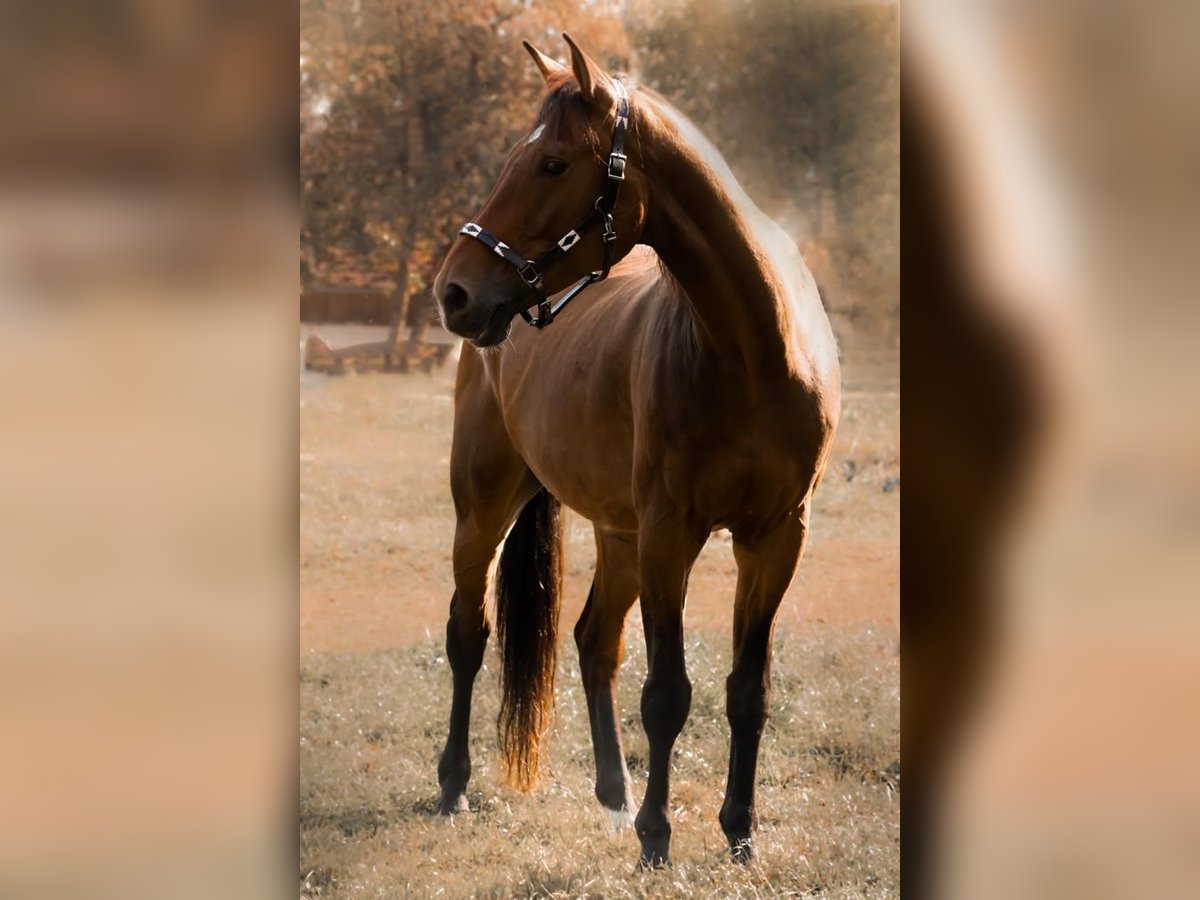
369 306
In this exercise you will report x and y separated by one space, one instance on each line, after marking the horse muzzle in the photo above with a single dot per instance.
482 322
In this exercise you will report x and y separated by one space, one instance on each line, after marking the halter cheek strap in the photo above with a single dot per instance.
601 213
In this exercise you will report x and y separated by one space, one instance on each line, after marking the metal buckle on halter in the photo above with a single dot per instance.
616 166
610 231
529 273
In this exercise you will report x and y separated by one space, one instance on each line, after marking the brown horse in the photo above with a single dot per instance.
695 389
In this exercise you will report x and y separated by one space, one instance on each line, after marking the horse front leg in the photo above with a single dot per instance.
487 503
490 483
599 637
766 565
667 548
467 633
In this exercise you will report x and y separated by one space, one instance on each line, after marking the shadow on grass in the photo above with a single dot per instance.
365 820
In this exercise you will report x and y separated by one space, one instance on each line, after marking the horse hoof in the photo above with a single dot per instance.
653 862
653 858
741 851
452 805
618 819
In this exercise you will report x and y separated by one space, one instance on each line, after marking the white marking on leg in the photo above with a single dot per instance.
619 819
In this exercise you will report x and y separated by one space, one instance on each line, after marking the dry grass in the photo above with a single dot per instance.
372 724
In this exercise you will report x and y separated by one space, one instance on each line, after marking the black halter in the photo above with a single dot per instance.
532 270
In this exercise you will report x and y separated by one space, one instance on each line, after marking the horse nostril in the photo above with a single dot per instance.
454 298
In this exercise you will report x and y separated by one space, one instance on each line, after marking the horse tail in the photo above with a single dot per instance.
528 597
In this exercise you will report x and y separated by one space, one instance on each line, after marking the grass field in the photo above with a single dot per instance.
376 527
372 724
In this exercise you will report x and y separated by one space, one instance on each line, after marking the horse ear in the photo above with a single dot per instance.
545 64
593 81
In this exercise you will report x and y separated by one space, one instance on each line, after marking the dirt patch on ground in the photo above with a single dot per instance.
377 521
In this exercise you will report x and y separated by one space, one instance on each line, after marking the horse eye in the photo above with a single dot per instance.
553 167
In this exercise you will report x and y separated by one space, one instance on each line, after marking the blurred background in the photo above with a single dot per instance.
147 448
1051 430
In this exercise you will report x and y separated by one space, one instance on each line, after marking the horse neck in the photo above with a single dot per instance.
719 247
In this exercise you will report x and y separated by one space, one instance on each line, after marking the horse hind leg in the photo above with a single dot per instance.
599 636
765 569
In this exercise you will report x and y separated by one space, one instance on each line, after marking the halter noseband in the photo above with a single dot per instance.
532 270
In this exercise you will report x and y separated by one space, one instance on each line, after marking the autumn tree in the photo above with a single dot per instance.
409 110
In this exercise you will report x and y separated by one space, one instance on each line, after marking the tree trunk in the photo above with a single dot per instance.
400 301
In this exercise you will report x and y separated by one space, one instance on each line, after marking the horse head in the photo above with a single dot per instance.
548 205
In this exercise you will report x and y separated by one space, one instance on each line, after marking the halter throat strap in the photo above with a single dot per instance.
532 271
